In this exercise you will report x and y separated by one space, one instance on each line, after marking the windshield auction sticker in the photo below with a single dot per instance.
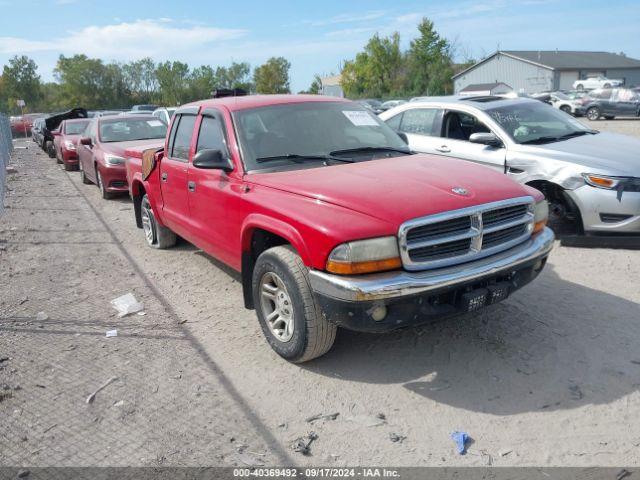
360 118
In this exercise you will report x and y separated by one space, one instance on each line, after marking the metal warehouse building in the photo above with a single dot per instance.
536 71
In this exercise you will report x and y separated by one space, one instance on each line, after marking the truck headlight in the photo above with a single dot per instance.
540 216
113 159
365 256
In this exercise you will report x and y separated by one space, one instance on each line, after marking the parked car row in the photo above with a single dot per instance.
328 216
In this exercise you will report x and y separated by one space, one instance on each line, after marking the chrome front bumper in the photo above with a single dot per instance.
389 285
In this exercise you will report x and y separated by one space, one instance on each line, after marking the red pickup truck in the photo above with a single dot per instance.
331 220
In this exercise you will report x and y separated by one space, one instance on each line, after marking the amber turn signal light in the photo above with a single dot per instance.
356 268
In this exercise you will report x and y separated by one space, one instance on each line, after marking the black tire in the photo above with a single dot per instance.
83 177
58 159
606 85
157 236
103 191
593 113
48 147
313 335
566 109
580 87
70 168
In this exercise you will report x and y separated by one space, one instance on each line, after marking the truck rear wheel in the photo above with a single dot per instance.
157 236
289 314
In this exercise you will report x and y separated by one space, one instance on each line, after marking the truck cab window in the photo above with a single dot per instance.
211 135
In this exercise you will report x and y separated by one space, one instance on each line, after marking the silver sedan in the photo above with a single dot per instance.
590 177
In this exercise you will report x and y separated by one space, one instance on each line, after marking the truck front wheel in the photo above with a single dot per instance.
157 236
289 314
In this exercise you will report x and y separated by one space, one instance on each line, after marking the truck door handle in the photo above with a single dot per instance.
443 149
164 176
191 186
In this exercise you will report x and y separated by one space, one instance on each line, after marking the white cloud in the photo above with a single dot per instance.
349 18
126 40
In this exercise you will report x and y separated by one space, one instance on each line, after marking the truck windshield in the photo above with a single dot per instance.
286 134
536 122
128 129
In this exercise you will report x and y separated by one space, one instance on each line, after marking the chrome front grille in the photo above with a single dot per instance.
467 234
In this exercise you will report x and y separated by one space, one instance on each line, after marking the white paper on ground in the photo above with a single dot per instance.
127 304
112 333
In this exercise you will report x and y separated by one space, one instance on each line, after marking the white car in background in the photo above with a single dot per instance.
592 83
590 178
164 114
565 103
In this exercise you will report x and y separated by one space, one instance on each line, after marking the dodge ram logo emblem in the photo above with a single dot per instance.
460 191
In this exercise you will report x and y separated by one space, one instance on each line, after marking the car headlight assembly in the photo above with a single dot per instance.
365 256
69 145
113 160
540 216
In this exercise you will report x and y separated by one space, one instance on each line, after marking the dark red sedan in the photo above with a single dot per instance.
65 139
102 145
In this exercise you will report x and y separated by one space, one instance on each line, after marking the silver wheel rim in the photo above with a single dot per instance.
277 307
147 226
593 114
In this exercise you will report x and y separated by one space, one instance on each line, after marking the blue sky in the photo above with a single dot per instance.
316 36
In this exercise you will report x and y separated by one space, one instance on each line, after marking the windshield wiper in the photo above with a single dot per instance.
578 133
301 158
370 149
549 139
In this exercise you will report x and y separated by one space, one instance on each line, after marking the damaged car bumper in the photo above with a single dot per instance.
608 211
387 301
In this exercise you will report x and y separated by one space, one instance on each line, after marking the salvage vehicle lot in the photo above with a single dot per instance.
548 377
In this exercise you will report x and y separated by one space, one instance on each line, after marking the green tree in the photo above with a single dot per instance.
141 80
316 85
173 81
202 82
20 81
81 81
377 71
273 76
236 75
429 62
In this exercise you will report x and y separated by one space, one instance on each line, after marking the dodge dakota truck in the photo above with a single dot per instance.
331 220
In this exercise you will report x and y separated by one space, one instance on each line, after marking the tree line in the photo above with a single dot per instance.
94 84
383 70
380 70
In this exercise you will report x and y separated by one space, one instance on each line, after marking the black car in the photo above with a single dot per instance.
610 103
53 122
36 131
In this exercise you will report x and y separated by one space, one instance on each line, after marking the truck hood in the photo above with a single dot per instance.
610 153
397 189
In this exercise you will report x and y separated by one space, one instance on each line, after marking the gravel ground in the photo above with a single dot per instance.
549 377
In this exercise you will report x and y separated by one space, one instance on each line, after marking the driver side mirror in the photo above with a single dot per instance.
86 141
485 138
210 159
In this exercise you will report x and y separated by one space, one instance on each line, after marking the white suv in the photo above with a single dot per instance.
592 83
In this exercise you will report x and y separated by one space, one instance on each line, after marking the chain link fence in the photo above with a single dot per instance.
6 147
